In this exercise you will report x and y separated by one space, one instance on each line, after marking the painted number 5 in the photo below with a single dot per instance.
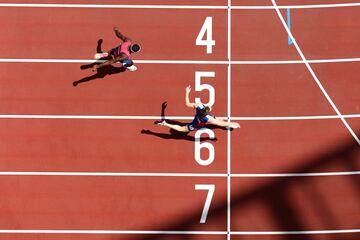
208 42
211 189
199 87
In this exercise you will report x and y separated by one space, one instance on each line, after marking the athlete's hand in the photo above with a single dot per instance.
188 89
116 29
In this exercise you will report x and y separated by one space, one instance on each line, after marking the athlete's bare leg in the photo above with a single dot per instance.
174 126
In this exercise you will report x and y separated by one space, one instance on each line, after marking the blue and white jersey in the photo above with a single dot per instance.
199 120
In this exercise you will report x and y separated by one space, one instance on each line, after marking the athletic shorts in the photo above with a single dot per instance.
195 126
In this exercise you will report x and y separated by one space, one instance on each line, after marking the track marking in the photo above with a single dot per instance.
112 174
296 232
147 174
112 232
308 6
39 231
245 62
289 24
287 118
112 6
99 117
313 73
204 7
228 179
314 174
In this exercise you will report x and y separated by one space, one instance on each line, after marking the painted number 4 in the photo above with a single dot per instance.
208 41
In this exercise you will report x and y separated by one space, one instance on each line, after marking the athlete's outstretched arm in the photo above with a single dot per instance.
222 123
119 35
187 99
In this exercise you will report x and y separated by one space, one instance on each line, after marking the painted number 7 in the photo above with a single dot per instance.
208 42
211 189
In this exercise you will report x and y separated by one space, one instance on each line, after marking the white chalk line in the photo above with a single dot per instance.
99 117
40 231
313 73
228 142
168 174
245 62
194 7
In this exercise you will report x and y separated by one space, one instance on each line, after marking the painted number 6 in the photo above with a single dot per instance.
199 87
207 145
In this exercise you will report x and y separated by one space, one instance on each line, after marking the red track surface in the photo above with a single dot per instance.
137 146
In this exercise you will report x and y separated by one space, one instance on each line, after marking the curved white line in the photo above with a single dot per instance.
316 79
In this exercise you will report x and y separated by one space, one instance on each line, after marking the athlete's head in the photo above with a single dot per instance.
135 48
129 65
205 111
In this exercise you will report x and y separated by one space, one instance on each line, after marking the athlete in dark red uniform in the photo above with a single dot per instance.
121 53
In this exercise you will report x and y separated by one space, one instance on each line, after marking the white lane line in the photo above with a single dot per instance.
40 231
111 6
296 232
228 179
149 174
99 117
313 174
313 73
204 7
242 62
112 174
308 6
89 117
285 118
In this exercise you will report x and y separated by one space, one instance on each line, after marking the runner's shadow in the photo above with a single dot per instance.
173 134
176 135
101 72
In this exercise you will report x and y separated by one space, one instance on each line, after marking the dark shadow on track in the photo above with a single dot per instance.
101 72
173 134
275 195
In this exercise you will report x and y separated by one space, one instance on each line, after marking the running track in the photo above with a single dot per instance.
87 162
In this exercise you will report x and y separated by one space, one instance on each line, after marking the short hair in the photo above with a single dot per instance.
135 48
205 111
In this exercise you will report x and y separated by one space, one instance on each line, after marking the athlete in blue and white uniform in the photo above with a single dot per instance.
202 117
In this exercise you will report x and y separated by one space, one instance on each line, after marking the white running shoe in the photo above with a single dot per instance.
161 123
234 126
100 55
132 68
